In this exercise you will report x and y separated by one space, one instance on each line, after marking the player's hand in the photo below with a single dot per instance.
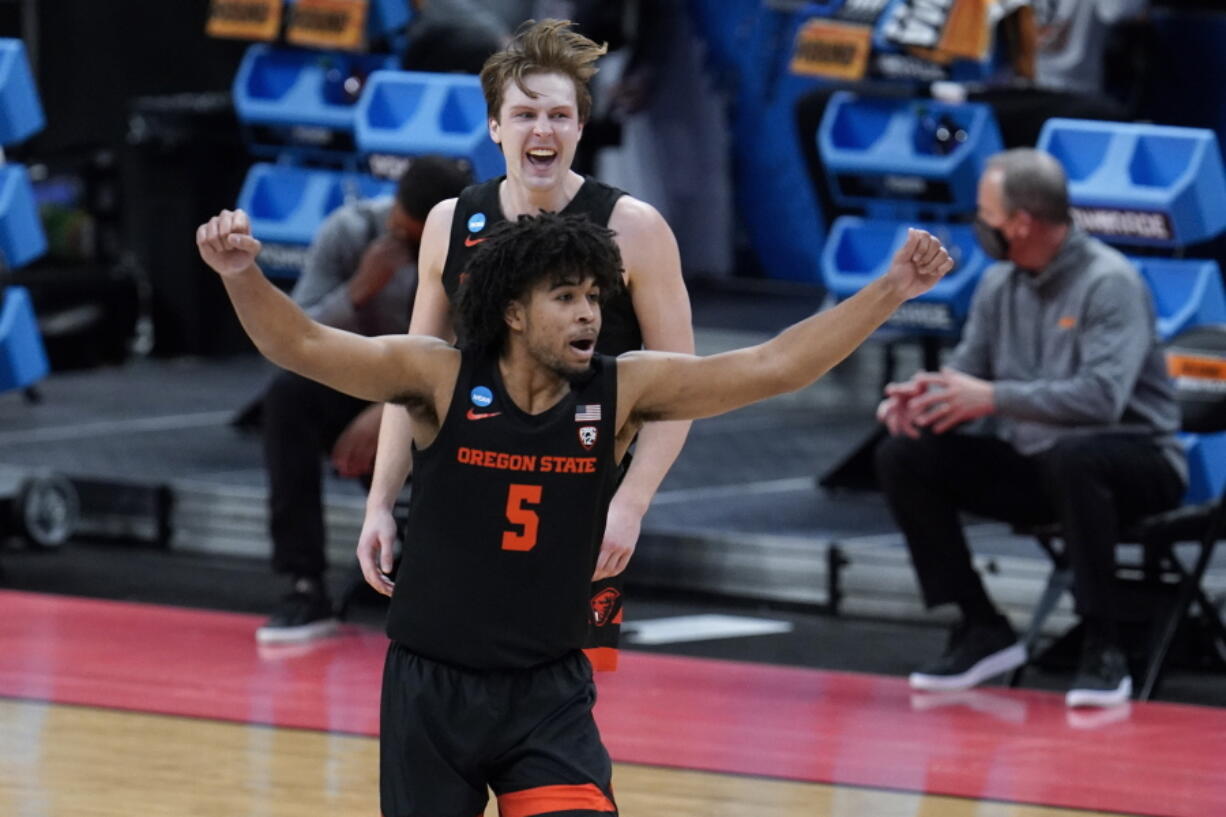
377 550
951 398
378 265
353 455
621 536
226 244
919 263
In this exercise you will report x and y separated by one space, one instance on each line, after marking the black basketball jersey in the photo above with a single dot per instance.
505 523
478 209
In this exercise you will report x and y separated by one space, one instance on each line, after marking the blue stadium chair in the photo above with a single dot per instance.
412 113
23 360
287 204
859 250
1186 292
1146 185
21 230
905 158
21 112
295 101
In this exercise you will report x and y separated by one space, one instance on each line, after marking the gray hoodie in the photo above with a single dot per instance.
1071 350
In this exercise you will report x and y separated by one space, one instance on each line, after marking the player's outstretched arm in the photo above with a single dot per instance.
383 369
659 386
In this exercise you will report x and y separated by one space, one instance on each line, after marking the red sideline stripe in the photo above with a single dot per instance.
1019 746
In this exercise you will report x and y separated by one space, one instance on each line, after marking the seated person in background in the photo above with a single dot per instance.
1073 41
1070 70
1060 346
360 275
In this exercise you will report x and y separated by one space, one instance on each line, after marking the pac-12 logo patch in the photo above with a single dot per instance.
605 606
587 436
476 222
481 396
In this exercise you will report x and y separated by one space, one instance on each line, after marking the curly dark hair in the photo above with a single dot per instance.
516 256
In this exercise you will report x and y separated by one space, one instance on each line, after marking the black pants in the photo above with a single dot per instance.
446 733
1090 484
302 421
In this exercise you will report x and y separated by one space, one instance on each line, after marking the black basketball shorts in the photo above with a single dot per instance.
446 734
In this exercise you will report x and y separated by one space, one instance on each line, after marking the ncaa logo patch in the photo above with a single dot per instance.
587 436
481 396
476 222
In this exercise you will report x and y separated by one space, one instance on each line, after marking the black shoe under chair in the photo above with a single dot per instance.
975 652
1102 676
303 614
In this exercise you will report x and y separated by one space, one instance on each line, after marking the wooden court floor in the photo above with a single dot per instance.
66 760
114 709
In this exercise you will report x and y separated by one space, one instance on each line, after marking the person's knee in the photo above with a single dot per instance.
287 395
896 456
1071 459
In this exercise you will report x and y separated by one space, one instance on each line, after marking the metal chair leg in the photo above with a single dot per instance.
1189 588
1058 583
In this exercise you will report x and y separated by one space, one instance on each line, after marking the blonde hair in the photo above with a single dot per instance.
545 47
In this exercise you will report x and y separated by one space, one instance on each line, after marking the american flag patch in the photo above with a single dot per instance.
589 413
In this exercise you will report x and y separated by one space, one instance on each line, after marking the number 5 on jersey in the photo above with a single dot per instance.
519 497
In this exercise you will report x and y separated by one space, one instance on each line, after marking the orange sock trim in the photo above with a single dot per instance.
545 799
604 659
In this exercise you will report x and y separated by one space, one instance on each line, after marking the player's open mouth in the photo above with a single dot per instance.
583 345
542 157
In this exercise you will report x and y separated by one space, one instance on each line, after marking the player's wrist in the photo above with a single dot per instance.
629 501
379 504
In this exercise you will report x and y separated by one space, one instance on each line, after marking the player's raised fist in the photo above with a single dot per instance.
919 263
226 244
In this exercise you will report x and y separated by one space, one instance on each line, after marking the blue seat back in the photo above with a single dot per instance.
413 113
1147 185
23 360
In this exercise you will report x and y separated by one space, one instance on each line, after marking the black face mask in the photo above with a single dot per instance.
991 239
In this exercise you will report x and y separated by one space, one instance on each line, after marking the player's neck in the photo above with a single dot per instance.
533 388
517 200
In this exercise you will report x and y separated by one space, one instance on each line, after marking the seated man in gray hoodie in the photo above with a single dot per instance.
1060 350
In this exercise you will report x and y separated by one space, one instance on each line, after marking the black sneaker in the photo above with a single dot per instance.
975 653
1102 676
304 614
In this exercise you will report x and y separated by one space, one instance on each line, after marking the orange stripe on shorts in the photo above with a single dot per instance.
544 799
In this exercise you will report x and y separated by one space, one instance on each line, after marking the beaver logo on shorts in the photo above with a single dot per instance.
587 436
604 606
